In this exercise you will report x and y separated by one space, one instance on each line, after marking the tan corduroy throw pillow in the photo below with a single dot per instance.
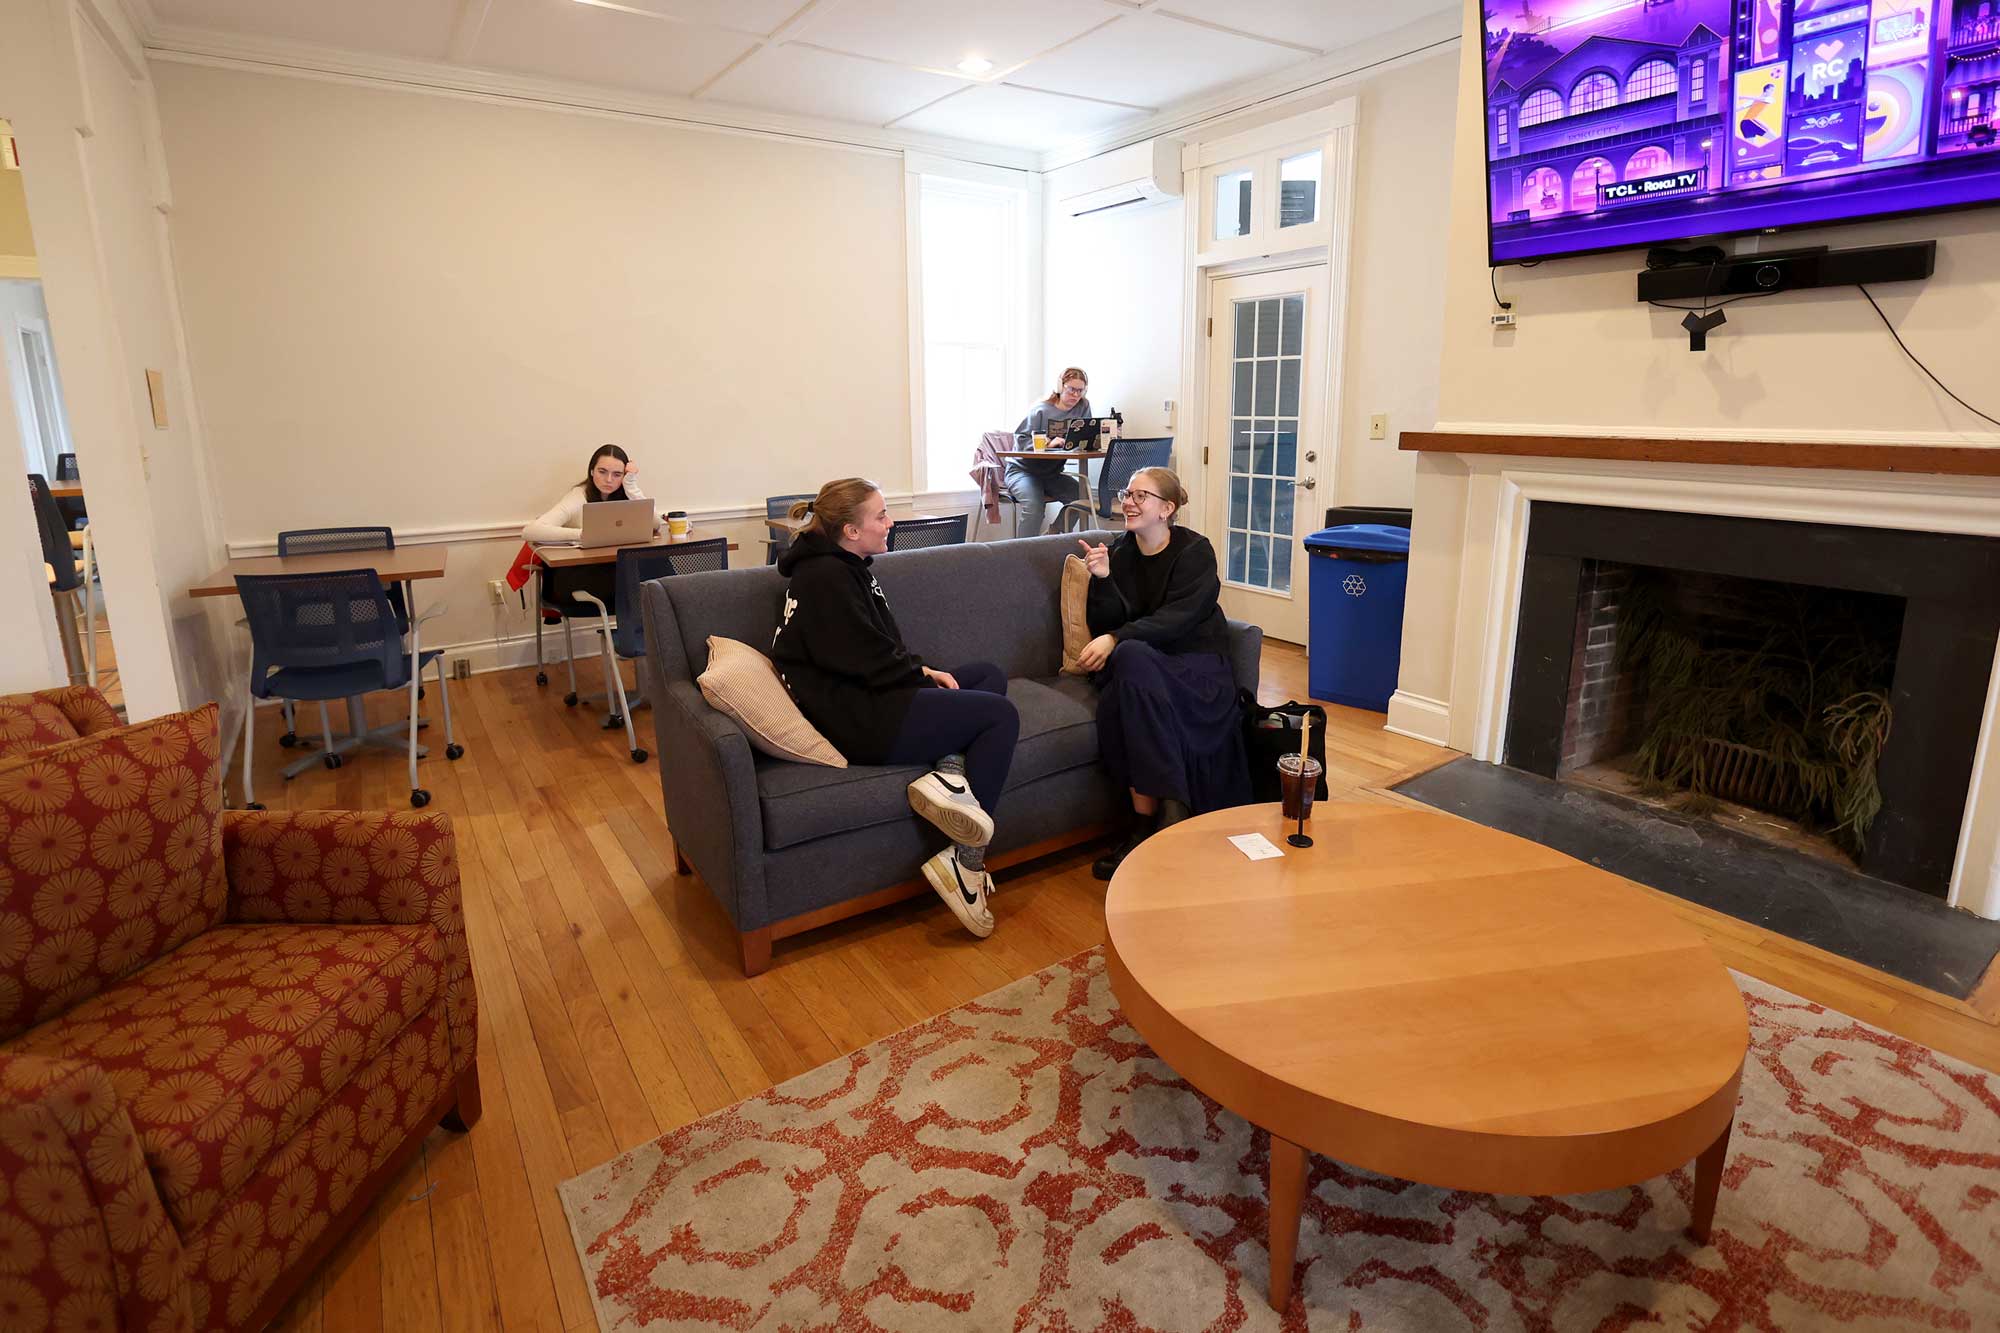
742 684
1075 621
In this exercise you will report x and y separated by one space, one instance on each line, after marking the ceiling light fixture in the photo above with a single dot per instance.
974 65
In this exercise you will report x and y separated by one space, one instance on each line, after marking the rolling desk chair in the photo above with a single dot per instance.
639 565
913 533
1124 458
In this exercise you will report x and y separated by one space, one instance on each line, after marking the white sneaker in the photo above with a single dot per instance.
946 801
963 891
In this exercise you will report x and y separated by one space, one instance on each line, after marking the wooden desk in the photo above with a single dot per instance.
1083 457
66 490
1430 999
569 557
401 565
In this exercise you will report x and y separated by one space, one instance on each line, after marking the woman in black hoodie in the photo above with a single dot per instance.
1168 724
843 659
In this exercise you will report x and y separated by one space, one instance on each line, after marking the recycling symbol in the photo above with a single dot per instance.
1354 585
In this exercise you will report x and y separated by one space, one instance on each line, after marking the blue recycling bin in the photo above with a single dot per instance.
1360 573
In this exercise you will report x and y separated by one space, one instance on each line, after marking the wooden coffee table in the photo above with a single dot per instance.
1429 999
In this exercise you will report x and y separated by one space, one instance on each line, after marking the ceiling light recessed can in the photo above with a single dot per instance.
975 65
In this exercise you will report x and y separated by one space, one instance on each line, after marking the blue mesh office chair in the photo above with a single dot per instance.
332 636
910 534
69 573
779 506
639 565
1125 458
314 541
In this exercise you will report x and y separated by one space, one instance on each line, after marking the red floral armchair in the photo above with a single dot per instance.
220 1033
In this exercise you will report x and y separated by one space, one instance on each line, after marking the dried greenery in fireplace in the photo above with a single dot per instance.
1784 706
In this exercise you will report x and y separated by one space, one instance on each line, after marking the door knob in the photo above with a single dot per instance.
1310 483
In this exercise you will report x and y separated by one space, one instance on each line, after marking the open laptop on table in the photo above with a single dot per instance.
618 523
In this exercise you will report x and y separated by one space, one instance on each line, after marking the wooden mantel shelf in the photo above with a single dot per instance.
1942 460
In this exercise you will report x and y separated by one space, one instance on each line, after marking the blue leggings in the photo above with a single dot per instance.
976 720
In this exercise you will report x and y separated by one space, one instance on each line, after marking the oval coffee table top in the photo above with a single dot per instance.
1429 998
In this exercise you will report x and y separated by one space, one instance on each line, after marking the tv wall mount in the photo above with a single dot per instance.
1709 275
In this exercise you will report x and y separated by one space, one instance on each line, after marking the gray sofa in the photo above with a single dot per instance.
787 847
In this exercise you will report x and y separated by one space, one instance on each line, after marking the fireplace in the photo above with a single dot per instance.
1912 615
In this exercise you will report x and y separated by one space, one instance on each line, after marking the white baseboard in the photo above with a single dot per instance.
1419 718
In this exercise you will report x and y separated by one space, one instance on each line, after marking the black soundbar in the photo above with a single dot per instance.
1790 270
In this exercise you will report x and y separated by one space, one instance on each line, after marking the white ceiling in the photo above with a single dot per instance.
1063 70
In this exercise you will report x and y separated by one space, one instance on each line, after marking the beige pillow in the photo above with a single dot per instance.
742 684
1075 621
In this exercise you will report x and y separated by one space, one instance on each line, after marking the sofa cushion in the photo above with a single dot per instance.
800 803
222 1050
50 717
113 859
742 684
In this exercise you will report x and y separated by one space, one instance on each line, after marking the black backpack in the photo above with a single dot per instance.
1270 732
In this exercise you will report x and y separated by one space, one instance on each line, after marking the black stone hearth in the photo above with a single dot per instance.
1806 898
1950 589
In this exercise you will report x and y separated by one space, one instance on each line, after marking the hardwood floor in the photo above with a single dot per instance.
612 1009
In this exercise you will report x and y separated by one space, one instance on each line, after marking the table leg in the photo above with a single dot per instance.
1708 1184
1288 1193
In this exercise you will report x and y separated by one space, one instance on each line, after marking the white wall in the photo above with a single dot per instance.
83 112
1116 284
426 310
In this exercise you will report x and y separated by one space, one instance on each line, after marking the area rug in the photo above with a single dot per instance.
1024 1162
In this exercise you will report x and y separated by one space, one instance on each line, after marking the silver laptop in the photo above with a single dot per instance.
617 523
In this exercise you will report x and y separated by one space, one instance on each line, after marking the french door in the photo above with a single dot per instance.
1267 437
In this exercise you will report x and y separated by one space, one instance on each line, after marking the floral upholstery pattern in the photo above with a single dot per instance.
113 858
219 1029
221 1051
49 717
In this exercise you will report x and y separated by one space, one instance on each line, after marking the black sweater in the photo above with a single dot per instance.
839 652
1170 600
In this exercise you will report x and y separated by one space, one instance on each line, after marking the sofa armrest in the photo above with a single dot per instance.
1246 654
708 779
356 867
83 1233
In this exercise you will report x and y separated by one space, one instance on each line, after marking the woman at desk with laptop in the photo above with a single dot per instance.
609 476
1034 482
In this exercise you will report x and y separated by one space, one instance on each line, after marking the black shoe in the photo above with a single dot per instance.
1105 866
1173 812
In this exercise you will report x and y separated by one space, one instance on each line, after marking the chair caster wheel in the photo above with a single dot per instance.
420 691
541 678
612 721
289 739
570 699
331 761
454 751
638 756
254 805
420 798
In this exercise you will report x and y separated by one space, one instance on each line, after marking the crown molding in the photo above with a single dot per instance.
266 55
1434 32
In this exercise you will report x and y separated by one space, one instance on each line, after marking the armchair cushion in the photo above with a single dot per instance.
222 1051
113 859
50 717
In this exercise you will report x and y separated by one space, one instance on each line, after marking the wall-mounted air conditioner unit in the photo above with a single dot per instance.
1141 173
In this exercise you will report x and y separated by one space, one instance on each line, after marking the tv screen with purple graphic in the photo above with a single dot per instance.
1616 123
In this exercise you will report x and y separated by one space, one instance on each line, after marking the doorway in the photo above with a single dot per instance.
1267 382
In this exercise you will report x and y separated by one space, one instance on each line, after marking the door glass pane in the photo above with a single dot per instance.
1232 205
1267 375
1298 189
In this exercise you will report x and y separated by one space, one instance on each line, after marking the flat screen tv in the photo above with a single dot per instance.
1613 123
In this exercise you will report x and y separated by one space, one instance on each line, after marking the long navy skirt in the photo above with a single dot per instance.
1170 727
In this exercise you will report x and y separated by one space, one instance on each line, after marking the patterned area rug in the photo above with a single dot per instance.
1026 1162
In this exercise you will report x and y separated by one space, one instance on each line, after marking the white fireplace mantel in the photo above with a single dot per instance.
1468 551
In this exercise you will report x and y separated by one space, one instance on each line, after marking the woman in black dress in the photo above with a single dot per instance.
1168 722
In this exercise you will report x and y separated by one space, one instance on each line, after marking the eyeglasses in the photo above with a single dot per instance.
1140 496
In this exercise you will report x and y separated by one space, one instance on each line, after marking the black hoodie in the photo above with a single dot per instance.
1170 600
839 652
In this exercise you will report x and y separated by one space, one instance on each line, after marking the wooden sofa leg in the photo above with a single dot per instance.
756 946
465 1114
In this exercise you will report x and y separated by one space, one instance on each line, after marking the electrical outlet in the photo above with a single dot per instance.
1504 320
461 668
1378 426
1167 409
497 589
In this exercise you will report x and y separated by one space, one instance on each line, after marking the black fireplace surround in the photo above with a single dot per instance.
1951 589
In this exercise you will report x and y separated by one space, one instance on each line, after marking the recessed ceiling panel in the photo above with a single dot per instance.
565 40
1153 61
1324 24
812 82
420 28
1017 117
940 33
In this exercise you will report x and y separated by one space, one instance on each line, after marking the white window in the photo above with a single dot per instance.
975 255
